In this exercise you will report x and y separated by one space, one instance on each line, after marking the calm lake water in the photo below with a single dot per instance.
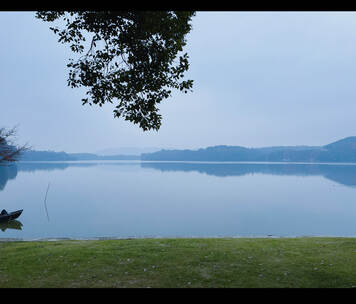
178 199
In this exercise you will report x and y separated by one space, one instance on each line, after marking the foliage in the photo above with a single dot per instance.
132 58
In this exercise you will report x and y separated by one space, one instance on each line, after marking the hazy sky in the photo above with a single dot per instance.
260 79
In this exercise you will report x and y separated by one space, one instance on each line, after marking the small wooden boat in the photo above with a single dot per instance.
5 217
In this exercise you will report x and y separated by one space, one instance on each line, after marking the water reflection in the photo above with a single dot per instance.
50 166
7 172
15 224
181 199
344 174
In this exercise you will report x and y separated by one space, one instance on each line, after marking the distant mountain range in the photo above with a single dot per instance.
127 151
63 156
343 150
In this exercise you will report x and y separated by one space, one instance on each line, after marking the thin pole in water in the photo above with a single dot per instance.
45 202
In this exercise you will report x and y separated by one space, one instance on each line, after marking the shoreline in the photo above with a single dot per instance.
103 238
190 161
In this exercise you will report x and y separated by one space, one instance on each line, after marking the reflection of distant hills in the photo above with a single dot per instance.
343 174
10 172
58 165
340 173
50 166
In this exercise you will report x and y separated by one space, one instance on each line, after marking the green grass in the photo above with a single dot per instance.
181 263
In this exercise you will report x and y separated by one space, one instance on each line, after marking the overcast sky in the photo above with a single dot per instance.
260 79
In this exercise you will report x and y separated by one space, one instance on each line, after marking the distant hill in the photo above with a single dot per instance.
127 151
33 155
343 150
90 156
346 144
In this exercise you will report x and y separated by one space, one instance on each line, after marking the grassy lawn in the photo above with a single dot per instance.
181 263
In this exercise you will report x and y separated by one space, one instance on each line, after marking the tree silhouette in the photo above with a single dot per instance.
131 57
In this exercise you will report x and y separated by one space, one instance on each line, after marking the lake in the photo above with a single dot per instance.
122 199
